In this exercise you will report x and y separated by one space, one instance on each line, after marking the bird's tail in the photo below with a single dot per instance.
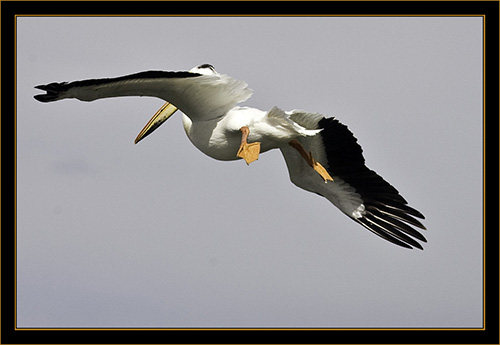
283 118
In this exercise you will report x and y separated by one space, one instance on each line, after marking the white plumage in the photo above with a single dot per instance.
321 154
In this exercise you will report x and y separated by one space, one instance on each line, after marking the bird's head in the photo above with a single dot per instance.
205 69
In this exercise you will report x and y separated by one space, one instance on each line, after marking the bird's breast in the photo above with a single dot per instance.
213 138
221 138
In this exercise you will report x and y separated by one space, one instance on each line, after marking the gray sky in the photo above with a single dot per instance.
158 235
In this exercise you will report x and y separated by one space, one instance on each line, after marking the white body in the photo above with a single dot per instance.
220 138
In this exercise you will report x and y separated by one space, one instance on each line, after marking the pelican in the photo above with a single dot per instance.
321 154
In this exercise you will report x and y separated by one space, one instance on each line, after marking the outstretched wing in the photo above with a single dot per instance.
357 191
201 93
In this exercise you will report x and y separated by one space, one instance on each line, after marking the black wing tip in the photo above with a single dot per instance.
48 97
408 246
41 98
414 212
393 232
52 89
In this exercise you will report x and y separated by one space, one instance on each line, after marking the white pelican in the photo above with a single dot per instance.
321 154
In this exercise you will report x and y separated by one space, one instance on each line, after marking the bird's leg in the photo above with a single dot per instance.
249 152
310 160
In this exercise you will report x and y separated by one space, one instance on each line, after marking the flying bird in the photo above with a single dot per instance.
322 155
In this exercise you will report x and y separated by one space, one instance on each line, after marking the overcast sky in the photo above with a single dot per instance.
112 234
